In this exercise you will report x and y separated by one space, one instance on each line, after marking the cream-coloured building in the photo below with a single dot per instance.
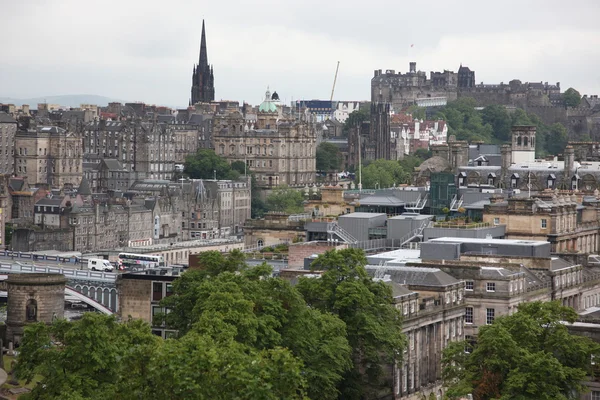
279 149
568 222
49 155
8 129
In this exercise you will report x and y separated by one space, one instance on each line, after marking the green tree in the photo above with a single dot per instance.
263 313
258 206
527 355
423 154
285 199
556 139
328 157
373 324
93 358
417 112
357 117
240 167
206 164
571 97
498 118
383 174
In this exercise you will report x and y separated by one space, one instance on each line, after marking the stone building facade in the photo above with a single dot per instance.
214 209
33 298
432 305
146 148
565 222
273 229
49 155
279 151
8 129
140 295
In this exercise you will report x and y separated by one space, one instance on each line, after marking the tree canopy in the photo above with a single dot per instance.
571 97
243 334
493 124
373 324
527 355
329 157
206 164
357 117
383 174
285 199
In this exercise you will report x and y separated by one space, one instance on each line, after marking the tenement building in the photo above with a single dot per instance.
49 155
8 129
279 150
143 147
215 209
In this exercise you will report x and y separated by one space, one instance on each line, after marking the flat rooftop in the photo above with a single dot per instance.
517 242
365 215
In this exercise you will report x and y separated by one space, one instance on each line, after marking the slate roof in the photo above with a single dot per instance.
84 188
421 276
54 201
16 184
496 272
113 164
7 118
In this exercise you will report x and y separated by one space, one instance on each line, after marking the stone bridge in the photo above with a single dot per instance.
96 287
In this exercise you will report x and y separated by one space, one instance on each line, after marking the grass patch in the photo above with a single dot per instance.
8 368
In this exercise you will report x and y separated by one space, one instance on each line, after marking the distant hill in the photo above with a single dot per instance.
69 100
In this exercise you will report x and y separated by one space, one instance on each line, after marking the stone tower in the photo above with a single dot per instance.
523 144
33 298
506 160
380 130
569 161
203 80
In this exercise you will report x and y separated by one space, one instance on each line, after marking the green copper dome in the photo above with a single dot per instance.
268 106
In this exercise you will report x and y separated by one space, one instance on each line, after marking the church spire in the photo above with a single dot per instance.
203 89
203 62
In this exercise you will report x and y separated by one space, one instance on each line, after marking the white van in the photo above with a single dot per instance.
98 264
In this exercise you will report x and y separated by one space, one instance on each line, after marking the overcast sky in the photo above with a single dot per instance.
144 50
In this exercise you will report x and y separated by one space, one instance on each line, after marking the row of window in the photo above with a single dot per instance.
489 286
490 315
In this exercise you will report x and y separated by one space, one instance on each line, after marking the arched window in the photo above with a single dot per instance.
525 141
31 310
519 140
260 243
232 128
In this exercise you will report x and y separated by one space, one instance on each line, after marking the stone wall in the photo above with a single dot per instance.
33 298
135 297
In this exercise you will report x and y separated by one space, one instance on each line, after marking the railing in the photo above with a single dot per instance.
414 233
469 225
334 228
69 273
419 204
456 203
299 217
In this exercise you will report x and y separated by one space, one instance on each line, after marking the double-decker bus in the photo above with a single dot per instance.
139 261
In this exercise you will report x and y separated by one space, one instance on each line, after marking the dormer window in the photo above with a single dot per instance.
575 182
491 179
551 181
462 179
514 181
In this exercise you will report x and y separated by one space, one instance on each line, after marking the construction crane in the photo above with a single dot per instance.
334 79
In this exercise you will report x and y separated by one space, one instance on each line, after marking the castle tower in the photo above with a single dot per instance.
523 144
203 81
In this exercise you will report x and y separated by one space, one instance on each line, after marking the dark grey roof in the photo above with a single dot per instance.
113 164
54 201
84 188
421 276
166 118
16 184
399 290
6 118
559 263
